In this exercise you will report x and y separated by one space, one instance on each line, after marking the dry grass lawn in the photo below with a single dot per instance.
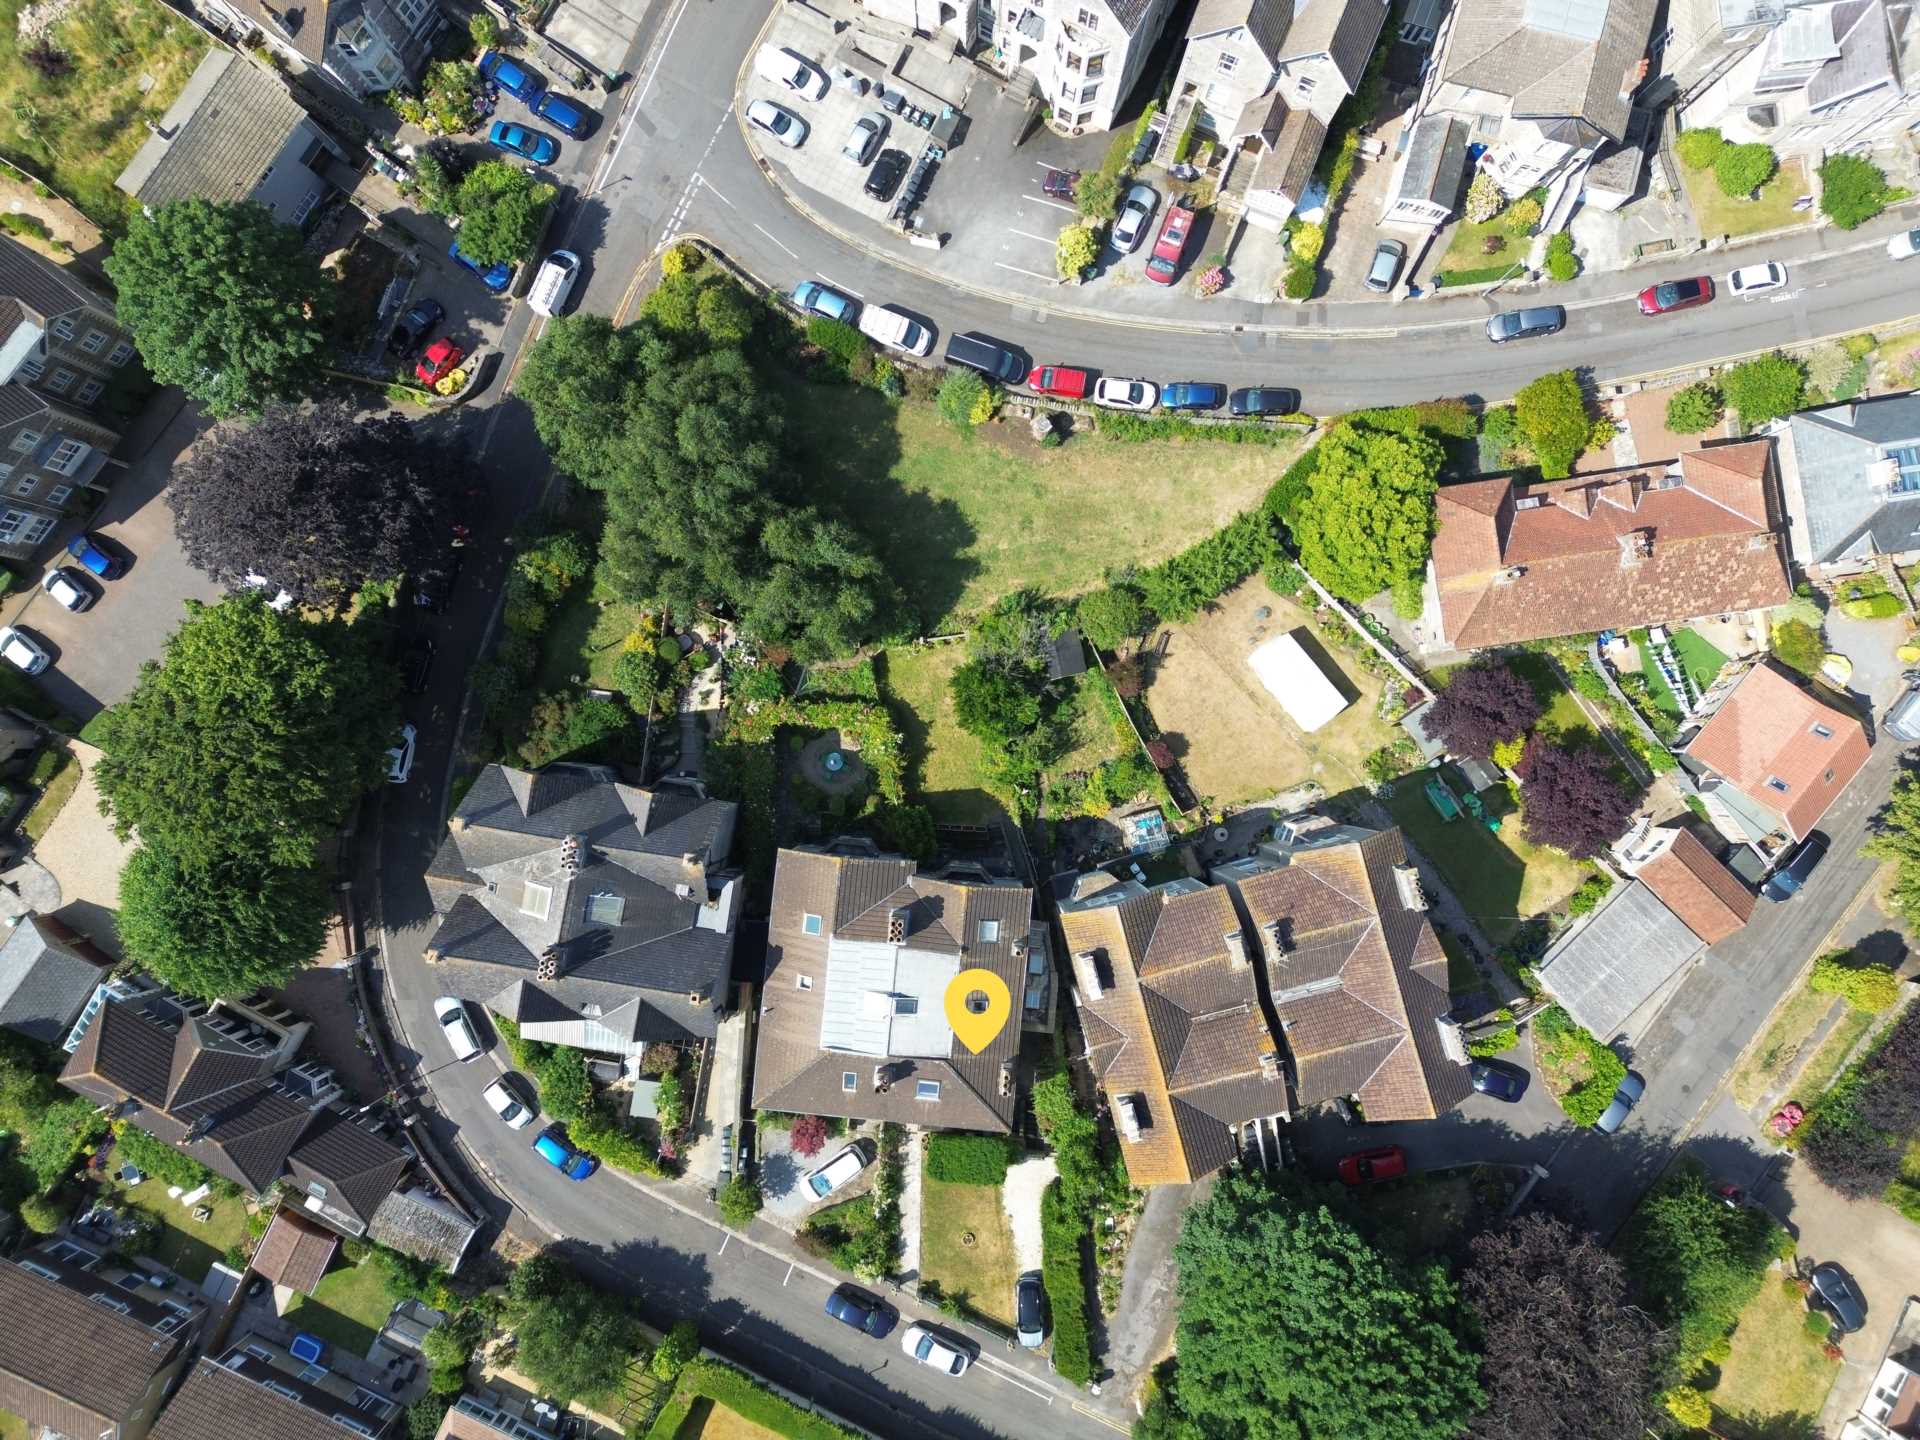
708 1421
1824 1065
983 1270
1774 1384
1772 1057
943 761
1233 739
1772 209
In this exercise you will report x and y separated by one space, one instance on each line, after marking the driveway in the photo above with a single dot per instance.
1870 645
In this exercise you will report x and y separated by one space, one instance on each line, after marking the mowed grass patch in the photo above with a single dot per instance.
966 1245
1772 209
944 763
187 1246
1773 1385
1500 878
347 1308
710 1421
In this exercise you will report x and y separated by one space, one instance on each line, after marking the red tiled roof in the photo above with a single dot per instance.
1711 538
294 1252
1708 897
1765 732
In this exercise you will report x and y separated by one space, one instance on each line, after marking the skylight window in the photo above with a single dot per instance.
810 924
926 1090
536 900
606 909
989 931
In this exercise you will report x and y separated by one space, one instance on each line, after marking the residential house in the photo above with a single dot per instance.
1773 757
257 1388
60 348
1514 561
1083 55
861 947
235 133
82 1356
956 20
48 973
589 912
1546 86
1891 1410
1706 895
1850 476
476 1418
1264 78
364 46
1700 42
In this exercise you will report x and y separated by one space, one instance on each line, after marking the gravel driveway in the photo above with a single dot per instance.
1021 1199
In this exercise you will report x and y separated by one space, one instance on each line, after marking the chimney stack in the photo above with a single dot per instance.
897 926
549 966
1236 949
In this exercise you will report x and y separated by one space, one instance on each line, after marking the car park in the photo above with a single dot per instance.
410 331
417 664
867 1313
1059 380
400 757
1257 400
457 1025
496 277
791 70
989 356
512 1110
1136 214
1525 324
1030 1311
810 297
1835 1292
512 77
1060 184
1498 1080
1368 1167
885 176
865 136
935 1349
565 113
1786 881
778 121
95 558
1163 266
22 651
1117 394
1624 1099
524 141
551 1146
1904 245
66 589
553 283
1388 257
1671 295
1757 279
887 326
837 1172
1193 395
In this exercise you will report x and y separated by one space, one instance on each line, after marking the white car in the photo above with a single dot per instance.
67 590
795 71
507 1105
1136 217
458 1025
22 651
1906 243
778 121
400 757
837 1172
1125 394
931 1347
1757 279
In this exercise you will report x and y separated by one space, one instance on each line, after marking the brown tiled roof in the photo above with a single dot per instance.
294 1252
1765 731
1706 895
457 1425
1713 536
358 1168
217 1404
69 1364
122 1056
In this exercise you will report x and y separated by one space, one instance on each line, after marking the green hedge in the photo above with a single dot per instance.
956 1159
1118 425
1873 607
746 1397
1062 1232
1177 589
158 1158
1485 275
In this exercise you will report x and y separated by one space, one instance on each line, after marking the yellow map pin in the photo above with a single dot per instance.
978 1006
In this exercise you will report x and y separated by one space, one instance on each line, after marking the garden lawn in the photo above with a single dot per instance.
1421 1215
1465 251
984 1270
1563 716
1772 1057
945 765
347 1308
1772 210
1699 657
53 799
710 1421
1824 1065
185 1245
1094 739
1657 686
962 519
1773 1385
584 639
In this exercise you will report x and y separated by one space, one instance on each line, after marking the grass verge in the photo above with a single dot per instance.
1771 1059
1772 209
1775 1382
54 795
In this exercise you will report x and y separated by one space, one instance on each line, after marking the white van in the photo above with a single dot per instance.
788 68
554 282
894 330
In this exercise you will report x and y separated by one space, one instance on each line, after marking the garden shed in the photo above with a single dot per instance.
1294 677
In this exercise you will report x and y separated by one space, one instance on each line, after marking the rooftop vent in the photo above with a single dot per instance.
1406 879
1126 1118
1510 574
897 926
572 852
1018 946
1236 949
1635 546
1006 1077
1270 1064
1086 970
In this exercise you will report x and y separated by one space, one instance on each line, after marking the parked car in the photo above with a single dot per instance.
837 1172
1263 400
886 325
496 277
1674 295
1388 257
1624 1099
66 589
1030 1311
1835 1292
1905 244
524 141
566 113
1526 323
551 1146
1903 720
1060 184
989 356
778 121
411 329
936 1349
885 176
512 1110
511 76
864 138
810 297
1136 214
553 283
417 664
431 588
1785 882
794 71
1125 394
1366 1167
1757 279
1163 266
443 357
1498 1080
400 757
457 1025
1193 395
1058 380
22 651
868 1314
95 558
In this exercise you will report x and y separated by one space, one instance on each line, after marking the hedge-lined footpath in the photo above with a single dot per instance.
746 1397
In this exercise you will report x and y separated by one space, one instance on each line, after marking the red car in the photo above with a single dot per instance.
1389 1162
1174 230
1676 295
1058 380
443 357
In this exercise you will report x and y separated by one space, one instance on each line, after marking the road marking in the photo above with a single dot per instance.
1001 1370
1054 203
838 286
789 1275
776 240
726 1240
1029 235
1105 1420
632 110
660 55
1049 279
710 185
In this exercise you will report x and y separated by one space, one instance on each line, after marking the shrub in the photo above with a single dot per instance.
1904 1197
1699 148
681 259
1484 200
1097 195
808 1135
838 339
1111 615
1493 244
159 1159
1686 1404
1743 169
485 31
1561 262
1075 251
1871 988
1300 279
677 1351
723 313
1798 645
961 395
959 1159
1062 1229
43 1214
740 1201
1873 607
1587 898
1523 215
564 726
1211 281
1176 589
1493 1042
1852 190
1307 241
1696 408
1765 388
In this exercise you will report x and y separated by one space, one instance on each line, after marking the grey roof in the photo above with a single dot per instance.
423 1226
358 1168
1832 449
40 285
1342 29
1266 21
1436 160
68 1363
1288 164
1552 58
1602 971
47 974
219 137
1133 14
1864 39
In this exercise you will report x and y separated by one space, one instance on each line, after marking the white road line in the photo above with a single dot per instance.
660 56
717 195
1029 235
1044 165
725 1241
1000 1370
776 240
1054 203
1050 279
789 1275
838 286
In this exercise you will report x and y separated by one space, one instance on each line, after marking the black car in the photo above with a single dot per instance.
411 329
1263 400
868 1314
1525 324
1835 1292
1498 1080
432 588
417 664
1030 1311
887 172
1785 882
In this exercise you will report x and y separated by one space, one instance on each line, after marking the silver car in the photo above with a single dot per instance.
865 137
1523 324
778 121
1136 217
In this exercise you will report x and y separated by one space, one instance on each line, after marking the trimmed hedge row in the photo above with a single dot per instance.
1062 1232
957 1159
746 1397
157 1158
1118 425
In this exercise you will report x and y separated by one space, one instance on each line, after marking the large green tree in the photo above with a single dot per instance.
1552 412
223 301
1366 523
1697 1261
571 1337
1896 837
502 212
1293 1327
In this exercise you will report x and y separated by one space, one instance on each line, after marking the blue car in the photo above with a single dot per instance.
519 140
565 114
572 1163
512 77
96 558
1192 395
867 1313
496 277
813 298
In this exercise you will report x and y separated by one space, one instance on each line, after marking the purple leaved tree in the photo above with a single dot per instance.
1482 705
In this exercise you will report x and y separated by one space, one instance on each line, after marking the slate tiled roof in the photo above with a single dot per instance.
1266 21
1707 896
1766 741
1826 460
1436 160
74 1367
357 1167
1602 970
122 1056
216 141
1552 58
1288 164
249 1141
1617 549
294 1252
217 1404
42 286
47 975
